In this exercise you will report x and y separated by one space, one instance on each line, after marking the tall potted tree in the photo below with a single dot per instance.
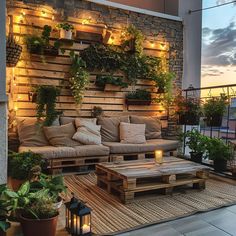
214 109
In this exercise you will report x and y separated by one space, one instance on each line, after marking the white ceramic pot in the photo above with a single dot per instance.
64 34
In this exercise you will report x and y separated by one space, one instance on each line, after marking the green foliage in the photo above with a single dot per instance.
102 80
217 149
46 103
65 26
102 57
79 77
196 141
139 94
215 106
38 44
96 111
20 164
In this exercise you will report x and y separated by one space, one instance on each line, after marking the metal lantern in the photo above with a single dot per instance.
78 218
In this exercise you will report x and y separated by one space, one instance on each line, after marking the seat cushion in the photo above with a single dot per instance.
110 127
30 132
149 146
51 151
153 125
61 136
92 150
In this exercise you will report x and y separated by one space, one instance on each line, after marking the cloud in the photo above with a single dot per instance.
220 46
219 2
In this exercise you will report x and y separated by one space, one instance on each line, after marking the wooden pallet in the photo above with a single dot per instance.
129 178
56 165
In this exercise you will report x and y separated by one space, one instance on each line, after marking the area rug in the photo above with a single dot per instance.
110 217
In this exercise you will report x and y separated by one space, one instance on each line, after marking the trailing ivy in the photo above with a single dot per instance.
46 103
79 77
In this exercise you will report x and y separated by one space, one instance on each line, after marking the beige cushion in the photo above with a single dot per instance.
51 151
92 150
30 132
153 125
66 120
149 146
110 127
132 133
61 135
87 132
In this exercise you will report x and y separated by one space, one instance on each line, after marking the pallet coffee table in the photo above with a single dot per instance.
125 179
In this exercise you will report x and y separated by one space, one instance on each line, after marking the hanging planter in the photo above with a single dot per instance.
13 49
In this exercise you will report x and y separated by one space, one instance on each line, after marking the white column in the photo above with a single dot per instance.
192 42
3 97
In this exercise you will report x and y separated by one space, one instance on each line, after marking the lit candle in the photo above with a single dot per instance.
86 229
159 156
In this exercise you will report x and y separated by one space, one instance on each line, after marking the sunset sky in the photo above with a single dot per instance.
218 44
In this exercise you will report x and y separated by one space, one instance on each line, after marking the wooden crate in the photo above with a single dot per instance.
126 179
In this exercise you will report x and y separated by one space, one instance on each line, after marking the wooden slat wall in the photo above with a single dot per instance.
32 70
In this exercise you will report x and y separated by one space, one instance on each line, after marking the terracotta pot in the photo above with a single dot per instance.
33 227
15 183
220 165
64 34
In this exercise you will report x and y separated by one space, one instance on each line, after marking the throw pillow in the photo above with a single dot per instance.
132 133
153 125
60 136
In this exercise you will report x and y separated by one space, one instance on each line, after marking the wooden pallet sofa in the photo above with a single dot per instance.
32 138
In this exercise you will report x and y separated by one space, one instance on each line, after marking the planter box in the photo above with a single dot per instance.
51 51
138 102
89 36
111 87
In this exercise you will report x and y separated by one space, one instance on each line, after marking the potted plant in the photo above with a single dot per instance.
4 210
96 111
197 143
41 44
66 30
214 109
110 82
219 152
187 109
20 165
139 97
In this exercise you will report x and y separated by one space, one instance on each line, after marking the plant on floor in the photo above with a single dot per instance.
197 142
96 111
20 164
79 77
102 80
41 44
187 109
214 109
46 103
219 152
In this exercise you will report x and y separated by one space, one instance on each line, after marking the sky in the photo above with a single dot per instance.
218 44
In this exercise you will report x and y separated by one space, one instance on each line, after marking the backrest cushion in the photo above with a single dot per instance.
30 132
132 133
66 120
60 136
110 127
153 125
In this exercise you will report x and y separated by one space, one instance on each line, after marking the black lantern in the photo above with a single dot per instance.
78 218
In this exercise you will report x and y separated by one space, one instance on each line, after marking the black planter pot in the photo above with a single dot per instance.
220 165
214 121
188 119
196 157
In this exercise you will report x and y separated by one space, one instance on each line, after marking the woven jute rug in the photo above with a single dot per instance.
110 217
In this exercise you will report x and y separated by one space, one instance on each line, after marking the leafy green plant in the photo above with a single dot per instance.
217 149
102 80
65 26
46 103
196 141
20 164
139 94
96 111
79 77
214 109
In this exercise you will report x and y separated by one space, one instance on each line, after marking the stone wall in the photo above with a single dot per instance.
169 31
